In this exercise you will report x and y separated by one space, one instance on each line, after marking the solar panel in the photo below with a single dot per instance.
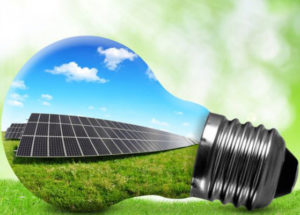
15 131
52 135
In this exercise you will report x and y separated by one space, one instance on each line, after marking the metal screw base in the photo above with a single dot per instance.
242 164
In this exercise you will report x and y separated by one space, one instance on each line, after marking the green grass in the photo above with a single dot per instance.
94 184
16 199
97 183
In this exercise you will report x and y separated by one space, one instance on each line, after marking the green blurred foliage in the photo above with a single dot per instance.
185 43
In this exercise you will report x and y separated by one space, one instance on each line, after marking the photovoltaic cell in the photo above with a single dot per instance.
84 121
34 117
75 120
44 118
125 126
121 146
102 123
56 148
101 132
79 131
91 132
100 147
72 147
25 146
54 118
112 146
145 145
42 129
30 129
40 145
67 131
65 119
127 135
111 133
86 146
93 122
137 145
15 131
52 135
110 124
120 134
55 130
131 146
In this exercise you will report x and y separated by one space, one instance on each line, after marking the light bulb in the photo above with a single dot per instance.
99 78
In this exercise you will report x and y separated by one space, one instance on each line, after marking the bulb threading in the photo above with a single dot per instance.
241 164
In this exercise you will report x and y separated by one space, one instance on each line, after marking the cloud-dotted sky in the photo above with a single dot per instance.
129 92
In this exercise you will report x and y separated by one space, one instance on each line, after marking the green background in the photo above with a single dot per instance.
238 58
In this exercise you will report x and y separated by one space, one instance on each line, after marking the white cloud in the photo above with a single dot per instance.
15 103
19 84
46 104
17 100
91 107
178 112
115 56
104 109
150 74
47 97
73 72
186 124
160 123
18 97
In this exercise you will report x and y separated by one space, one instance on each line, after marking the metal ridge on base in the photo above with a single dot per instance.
242 164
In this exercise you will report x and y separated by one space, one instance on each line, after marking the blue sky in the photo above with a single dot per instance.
97 77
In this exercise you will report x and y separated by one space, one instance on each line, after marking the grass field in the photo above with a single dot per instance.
16 199
96 183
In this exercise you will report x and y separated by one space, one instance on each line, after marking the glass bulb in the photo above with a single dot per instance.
99 78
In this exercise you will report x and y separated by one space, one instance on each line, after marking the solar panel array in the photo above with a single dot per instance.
51 135
15 131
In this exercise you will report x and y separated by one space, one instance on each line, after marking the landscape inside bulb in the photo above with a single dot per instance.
98 79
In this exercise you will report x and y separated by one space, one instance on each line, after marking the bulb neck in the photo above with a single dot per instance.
242 164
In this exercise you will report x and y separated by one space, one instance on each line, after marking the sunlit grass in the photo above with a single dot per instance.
16 199
91 184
